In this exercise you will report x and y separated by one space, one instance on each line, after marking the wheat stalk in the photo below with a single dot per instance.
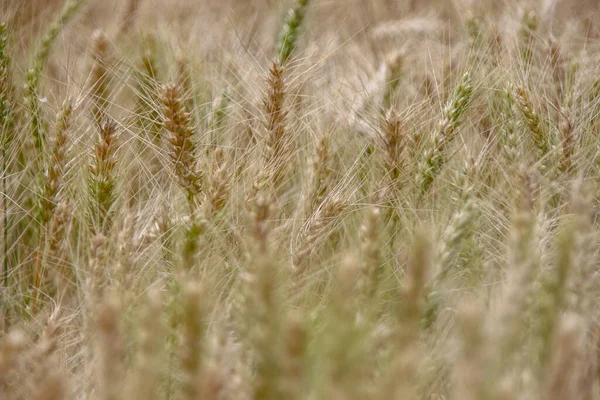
183 153
36 66
434 158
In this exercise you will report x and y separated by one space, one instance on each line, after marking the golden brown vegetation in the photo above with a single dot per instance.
299 199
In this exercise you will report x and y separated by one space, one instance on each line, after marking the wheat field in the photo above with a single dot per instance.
299 199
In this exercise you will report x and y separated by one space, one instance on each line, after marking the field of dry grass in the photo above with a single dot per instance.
299 199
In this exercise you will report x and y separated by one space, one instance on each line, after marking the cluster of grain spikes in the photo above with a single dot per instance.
346 297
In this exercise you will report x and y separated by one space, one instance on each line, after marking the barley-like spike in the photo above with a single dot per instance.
219 184
568 142
36 66
315 232
470 371
12 345
183 155
435 156
275 114
129 16
293 377
456 232
532 121
291 30
564 377
5 86
193 332
220 109
147 109
53 178
58 255
372 262
529 24
394 74
102 175
510 139
99 76
522 262
110 350
320 174
393 142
